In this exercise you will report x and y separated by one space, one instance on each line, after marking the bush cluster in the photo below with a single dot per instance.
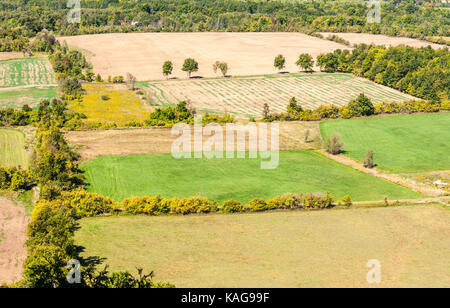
361 106
13 179
156 205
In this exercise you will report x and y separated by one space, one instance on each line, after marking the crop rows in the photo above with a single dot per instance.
247 96
25 72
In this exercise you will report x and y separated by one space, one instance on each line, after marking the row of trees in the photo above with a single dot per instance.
305 62
190 66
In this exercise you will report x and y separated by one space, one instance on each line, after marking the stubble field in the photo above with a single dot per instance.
143 54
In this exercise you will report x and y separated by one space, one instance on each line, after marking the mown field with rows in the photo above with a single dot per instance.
26 72
12 148
246 96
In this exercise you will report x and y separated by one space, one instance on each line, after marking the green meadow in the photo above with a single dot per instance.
242 179
401 143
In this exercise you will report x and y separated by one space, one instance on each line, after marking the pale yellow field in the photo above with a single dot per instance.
143 54
379 39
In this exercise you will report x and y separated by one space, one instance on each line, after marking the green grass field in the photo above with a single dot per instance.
12 150
328 248
247 95
241 179
24 72
401 143
29 96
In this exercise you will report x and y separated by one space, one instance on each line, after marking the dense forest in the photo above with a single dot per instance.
422 72
421 19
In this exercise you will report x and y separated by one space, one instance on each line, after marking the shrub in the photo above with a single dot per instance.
318 201
145 205
85 204
361 106
334 144
347 200
368 160
286 201
192 205
233 206
258 205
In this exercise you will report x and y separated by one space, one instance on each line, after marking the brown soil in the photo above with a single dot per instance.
13 224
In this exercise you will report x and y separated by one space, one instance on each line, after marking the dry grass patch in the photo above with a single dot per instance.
159 140
327 248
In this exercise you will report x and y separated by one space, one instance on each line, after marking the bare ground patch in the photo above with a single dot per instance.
13 224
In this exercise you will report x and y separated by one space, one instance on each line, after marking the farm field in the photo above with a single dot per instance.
142 54
379 39
13 225
26 72
12 148
110 103
401 143
327 248
241 179
159 140
31 96
246 96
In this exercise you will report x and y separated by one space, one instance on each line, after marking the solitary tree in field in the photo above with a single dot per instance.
222 66
368 160
167 68
131 80
190 66
334 144
305 62
279 62
266 111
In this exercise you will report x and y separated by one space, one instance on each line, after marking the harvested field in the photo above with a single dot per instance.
246 96
26 72
241 179
379 39
110 103
31 96
12 148
327 248
143 54
13 225
158 140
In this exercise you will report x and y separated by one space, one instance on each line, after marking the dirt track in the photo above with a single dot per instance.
13 224
143 54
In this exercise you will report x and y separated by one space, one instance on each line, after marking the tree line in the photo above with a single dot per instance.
419 19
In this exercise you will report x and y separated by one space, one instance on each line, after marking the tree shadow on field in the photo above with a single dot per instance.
86 261
283 73
196 77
